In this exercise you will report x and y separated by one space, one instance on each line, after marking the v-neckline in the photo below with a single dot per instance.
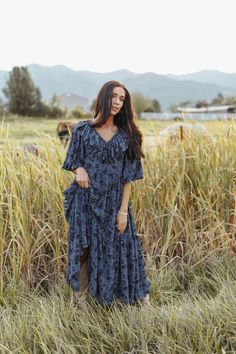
102 137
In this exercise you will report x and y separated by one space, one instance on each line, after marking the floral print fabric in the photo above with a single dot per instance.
115 263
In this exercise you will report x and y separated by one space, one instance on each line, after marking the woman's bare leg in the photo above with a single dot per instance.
83 274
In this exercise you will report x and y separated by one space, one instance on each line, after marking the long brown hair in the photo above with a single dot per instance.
125 119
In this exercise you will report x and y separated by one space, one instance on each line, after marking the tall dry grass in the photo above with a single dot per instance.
186 205
184 208
192 311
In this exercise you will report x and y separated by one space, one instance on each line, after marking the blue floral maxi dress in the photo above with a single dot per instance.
115 261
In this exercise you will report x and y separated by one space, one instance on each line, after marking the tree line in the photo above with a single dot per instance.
219 100
24 98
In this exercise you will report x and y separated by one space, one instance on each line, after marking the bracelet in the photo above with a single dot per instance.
122 213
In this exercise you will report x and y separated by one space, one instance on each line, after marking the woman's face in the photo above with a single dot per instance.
117 99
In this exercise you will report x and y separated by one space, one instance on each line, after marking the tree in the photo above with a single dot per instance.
144 104
201 104
140 102
24 97
185 104
156 105
230 100
218 100
173 108
77 112
55 102
1 106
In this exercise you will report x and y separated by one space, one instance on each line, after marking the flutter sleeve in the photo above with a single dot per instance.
132 169
75 151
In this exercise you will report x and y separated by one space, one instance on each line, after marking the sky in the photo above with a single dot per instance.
161 36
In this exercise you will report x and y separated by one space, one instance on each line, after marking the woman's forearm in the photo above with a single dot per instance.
125 196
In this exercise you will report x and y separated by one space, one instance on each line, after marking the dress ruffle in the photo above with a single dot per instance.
78 215
92 144
86 145
105 151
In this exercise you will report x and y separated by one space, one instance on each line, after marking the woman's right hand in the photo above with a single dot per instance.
82 177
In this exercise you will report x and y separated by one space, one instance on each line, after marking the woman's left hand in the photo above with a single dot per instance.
121 222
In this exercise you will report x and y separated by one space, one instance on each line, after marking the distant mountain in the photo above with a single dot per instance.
60 79
168 89
209 76
70 100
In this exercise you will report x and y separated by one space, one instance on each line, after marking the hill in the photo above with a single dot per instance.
168 89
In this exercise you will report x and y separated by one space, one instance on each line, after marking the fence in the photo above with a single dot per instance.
182 116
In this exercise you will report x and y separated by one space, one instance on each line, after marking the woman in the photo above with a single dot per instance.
104 253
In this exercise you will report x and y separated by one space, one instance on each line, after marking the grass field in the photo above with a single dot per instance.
31 130
185 211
